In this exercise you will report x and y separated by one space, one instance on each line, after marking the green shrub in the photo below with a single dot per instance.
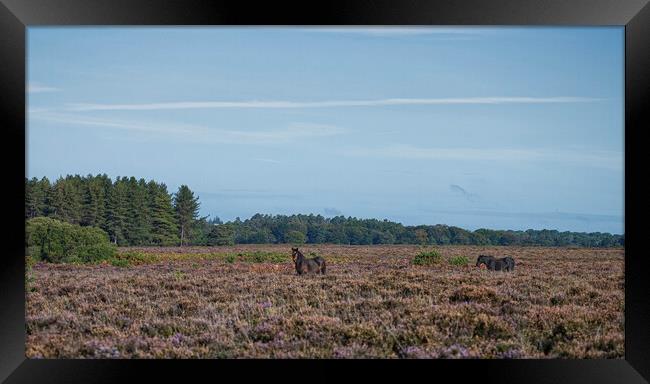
59 242
427 258
95 252
263 257
459 260
128 258
256 257
116 262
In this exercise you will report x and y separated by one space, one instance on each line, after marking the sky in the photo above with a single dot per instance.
500 128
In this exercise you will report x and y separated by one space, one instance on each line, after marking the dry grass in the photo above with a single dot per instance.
192 303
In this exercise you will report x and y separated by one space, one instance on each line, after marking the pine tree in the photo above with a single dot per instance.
117 210
35 197
69 199
138 220
29 198
164 228
43 187
222 234
56 208
186 207
94 202
107 187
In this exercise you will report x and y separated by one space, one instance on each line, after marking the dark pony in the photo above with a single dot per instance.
494 264
510 263
305 265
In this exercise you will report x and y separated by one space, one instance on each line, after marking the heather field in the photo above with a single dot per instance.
248 302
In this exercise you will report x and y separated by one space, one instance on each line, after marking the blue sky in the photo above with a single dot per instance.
503 128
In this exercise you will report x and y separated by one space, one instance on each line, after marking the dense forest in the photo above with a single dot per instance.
139 212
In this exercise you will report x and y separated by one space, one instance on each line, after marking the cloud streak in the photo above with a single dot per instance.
272 161
292 132
112 123
39 88
248 194
602 159
255 104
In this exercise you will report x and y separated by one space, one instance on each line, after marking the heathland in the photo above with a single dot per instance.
246 301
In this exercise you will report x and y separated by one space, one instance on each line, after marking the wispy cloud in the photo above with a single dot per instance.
327 104
39 88
113 123
267 160
248 194
597 158
292 132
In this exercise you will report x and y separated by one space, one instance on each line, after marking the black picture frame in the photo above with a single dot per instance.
17 15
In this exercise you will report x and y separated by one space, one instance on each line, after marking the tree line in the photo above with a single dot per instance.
139 212
316 229
130 211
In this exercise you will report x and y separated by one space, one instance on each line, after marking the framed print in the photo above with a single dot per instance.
217 188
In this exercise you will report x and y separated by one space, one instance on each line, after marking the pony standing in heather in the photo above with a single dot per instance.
305 265
494 264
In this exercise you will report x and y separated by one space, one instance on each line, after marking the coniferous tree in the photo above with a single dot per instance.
31 198
215 220
107 186
164 229
28 199
42 191
94 202
222 234
56 208
186 207
65 199
117 211
138 220
73 199
200 231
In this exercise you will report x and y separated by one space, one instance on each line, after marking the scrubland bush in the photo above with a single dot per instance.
459 260
427 258
258 257
59 242
128 258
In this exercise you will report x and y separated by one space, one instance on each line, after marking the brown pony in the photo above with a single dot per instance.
305 265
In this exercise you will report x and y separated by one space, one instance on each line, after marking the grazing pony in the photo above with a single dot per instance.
494 264
510 263
484 259
305 265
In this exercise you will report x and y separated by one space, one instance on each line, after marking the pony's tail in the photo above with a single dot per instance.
322 267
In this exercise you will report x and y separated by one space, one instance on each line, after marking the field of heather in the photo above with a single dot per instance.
248 302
